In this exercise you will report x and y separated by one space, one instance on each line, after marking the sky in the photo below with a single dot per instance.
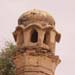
63 12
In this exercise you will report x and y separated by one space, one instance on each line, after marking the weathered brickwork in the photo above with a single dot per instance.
36 38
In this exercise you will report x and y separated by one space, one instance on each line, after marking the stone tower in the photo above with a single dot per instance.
36 38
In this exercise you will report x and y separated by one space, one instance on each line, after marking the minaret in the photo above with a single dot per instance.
35 38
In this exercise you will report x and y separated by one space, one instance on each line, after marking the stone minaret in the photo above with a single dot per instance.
35 38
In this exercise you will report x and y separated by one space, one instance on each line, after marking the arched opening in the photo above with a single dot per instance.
46 37
34 36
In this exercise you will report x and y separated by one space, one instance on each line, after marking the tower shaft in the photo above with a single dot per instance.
36 38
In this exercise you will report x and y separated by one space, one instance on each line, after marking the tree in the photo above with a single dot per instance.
7 66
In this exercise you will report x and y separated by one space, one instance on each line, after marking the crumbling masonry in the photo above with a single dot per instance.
35 38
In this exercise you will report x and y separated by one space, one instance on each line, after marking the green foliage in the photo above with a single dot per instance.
7 66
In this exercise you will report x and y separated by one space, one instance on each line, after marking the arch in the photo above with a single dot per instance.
34 36
21 27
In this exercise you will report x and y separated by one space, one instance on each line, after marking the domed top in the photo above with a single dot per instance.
35 16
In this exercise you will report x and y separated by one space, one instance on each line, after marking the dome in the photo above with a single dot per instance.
35 16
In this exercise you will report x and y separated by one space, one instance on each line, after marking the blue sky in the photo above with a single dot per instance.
63 12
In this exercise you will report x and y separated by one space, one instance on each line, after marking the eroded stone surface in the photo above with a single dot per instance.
35 38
